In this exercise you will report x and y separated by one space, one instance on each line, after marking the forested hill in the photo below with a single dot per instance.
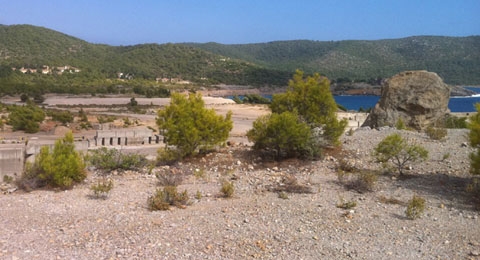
455 59
34 47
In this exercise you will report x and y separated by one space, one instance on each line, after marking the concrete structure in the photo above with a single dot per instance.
12 158
14 153
125 137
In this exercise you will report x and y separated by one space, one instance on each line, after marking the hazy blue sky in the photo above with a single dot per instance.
127 22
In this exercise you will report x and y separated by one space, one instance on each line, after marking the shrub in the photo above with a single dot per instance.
63 117
396 150
436 133
313 101
455 122
163 199
362 181
285 135
189 126
227 189
415 207
112 159
26 118
102 188
105 119
60 168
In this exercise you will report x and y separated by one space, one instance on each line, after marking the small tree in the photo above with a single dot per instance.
189 126
61 167
312 99
396 150
284 134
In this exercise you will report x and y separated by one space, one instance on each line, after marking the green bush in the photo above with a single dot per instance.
396 150
285 135
63 117
26 118
313 101
163 199
415 207
112 159
190 127
62 167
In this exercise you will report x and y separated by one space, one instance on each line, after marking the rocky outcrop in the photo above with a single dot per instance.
418 98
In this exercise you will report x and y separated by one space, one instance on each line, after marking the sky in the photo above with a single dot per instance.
130 22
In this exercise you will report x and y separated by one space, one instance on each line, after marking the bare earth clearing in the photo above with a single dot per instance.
256 223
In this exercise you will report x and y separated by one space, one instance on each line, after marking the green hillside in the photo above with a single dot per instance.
34 47
455 59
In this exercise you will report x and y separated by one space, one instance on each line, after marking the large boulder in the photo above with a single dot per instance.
418 98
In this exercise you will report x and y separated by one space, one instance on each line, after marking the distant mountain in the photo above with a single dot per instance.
455 59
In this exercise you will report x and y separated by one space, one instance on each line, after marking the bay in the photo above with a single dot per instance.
456 104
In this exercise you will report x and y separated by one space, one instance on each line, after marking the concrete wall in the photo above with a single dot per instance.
12 157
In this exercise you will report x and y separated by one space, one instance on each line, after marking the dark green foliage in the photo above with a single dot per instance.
396 150
255 99
312 99
24 98
62 167
285 135
455 59
113 159
63 116
190 127
26 118
133 102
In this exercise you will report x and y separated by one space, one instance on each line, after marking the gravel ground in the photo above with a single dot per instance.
256 222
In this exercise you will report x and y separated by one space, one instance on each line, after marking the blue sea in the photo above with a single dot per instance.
456 104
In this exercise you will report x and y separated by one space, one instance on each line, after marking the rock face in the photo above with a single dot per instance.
418 98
